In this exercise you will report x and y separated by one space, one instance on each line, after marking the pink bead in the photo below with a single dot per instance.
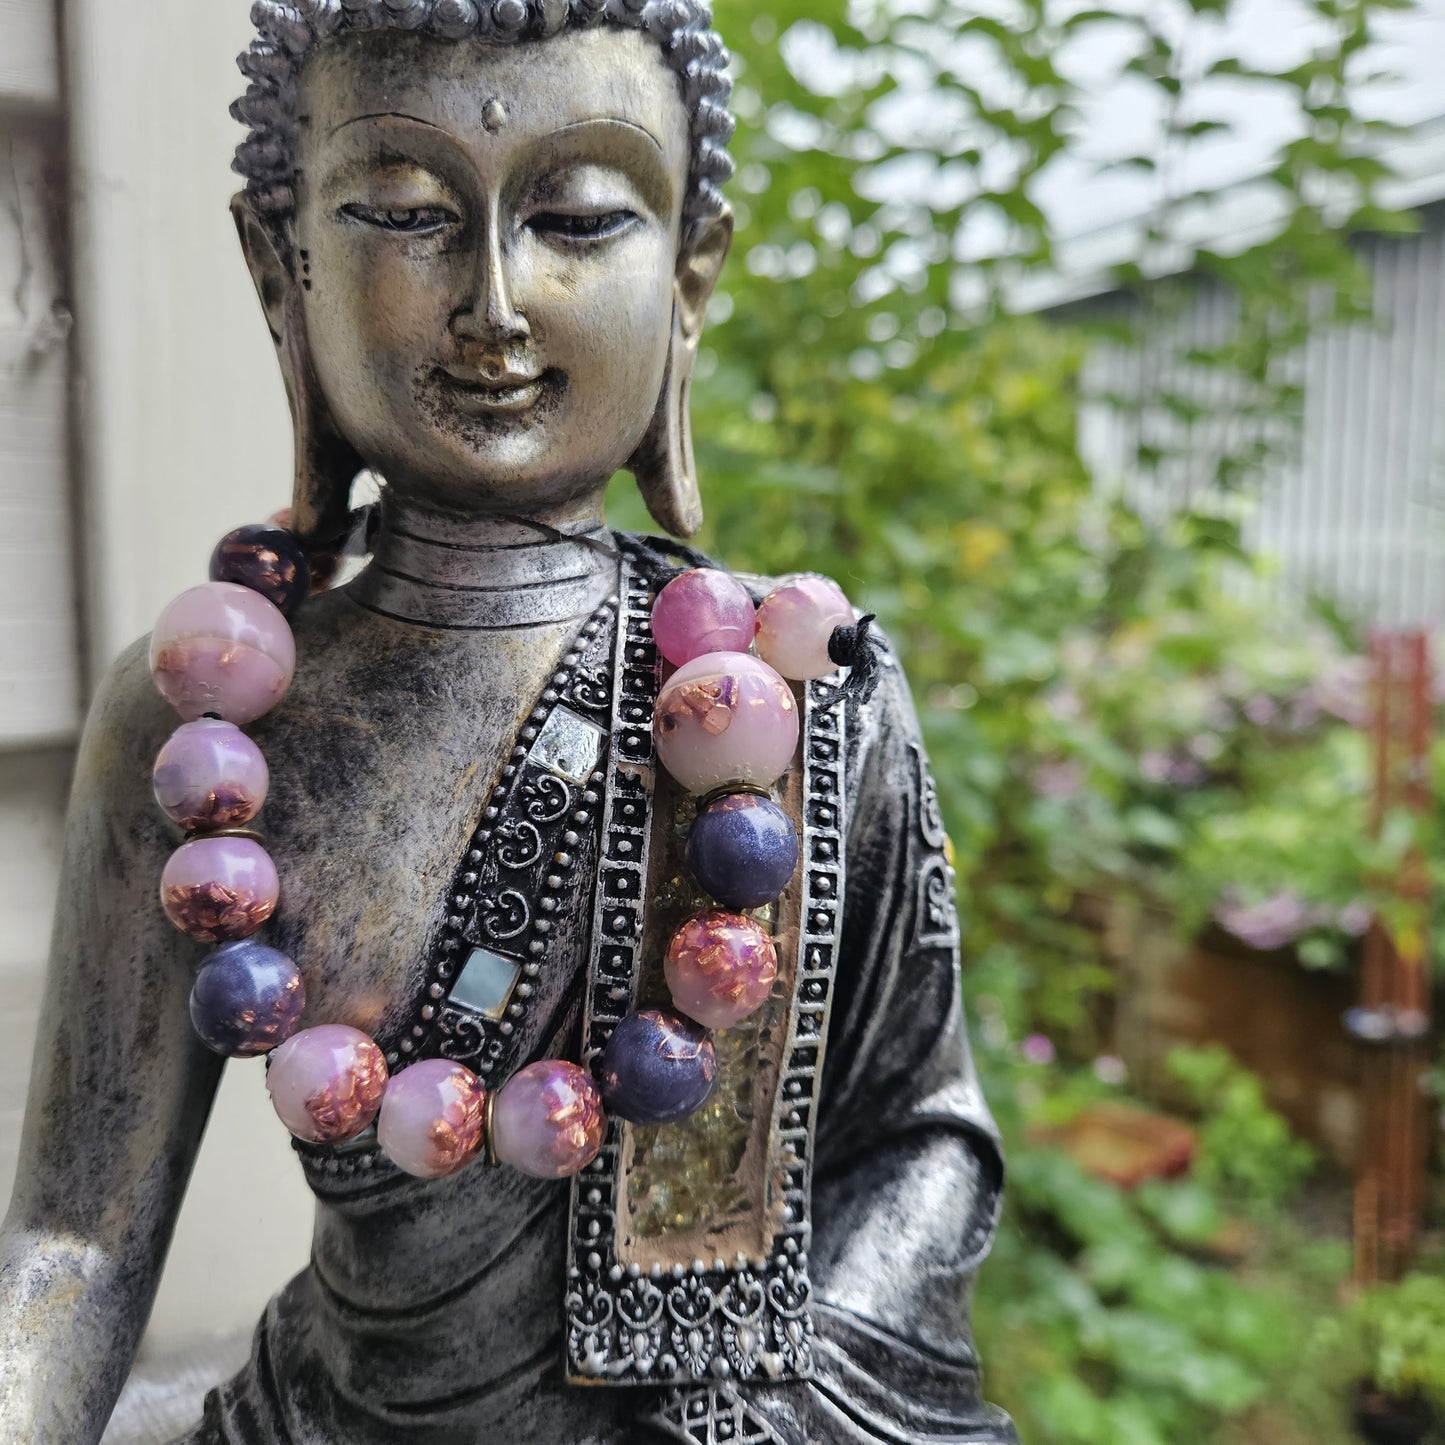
726 718
433 1118
700 612
720 967
218 889
796 621
222 648
327 1083
547 1120
210 775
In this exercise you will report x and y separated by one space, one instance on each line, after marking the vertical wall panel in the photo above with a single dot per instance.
183 413
1358 512
29 72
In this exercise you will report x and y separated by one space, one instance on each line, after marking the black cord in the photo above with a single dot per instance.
852 646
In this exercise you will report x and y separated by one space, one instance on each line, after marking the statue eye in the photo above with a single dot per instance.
571 227
413 221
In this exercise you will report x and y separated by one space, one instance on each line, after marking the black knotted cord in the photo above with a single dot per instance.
852 646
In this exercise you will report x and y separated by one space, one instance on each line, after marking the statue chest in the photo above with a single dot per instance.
384 761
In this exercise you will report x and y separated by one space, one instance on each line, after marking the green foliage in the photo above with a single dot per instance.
1110 1316
1246 1150
1403 1331
1105 708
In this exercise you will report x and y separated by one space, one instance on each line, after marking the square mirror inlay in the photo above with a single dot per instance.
569 745
485 983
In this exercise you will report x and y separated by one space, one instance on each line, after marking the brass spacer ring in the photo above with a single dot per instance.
488 1110
727 790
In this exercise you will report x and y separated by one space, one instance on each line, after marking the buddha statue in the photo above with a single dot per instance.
484 236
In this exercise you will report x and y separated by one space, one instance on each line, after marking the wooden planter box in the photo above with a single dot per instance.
1279 1019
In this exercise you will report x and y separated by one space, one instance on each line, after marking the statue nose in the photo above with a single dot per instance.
490 315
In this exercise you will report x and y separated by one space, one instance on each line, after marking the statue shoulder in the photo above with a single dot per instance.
126 726
666 556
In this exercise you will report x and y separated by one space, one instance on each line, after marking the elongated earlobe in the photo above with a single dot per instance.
325 462
663 464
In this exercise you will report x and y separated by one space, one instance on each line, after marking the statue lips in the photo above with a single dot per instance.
502 391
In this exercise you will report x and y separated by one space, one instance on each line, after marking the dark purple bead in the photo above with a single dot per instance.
268 560
742 849
657 1068
247 999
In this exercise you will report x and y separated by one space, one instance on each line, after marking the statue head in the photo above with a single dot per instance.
484 236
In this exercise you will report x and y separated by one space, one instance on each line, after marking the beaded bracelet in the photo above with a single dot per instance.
726 728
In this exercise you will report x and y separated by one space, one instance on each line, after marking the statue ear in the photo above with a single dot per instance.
325 461
663 463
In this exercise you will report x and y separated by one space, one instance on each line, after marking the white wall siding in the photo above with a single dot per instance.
183 412
29 72
39 642
1357 513
1362 518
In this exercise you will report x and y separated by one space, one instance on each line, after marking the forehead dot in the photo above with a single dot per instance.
494 115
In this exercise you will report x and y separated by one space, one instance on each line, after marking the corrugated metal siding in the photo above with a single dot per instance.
1359 513
1362 517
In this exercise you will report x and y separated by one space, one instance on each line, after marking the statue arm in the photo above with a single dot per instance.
909 1171
119 1093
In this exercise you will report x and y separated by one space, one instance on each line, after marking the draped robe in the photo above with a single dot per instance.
431 1311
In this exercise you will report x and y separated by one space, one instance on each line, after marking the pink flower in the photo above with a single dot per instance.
1038 1049
1110 1070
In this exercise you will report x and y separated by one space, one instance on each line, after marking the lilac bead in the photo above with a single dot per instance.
433 1118
216 889
700 612
326 1083
742 849
547 1120
268 560
657 1068
720 968
726 718
221 648
247 999
210 775
796 622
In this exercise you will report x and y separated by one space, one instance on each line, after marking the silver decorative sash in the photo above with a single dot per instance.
690 1281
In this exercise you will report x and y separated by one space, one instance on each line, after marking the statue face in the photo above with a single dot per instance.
487 240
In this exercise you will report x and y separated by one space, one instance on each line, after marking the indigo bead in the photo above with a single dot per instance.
547 1120
796 621
223 649
433 1118
247 999
326 1083
218 889
268 560
742 849
720 968
726 719
702 611
657 1068
210 775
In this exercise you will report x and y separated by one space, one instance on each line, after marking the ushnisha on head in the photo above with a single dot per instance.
485 235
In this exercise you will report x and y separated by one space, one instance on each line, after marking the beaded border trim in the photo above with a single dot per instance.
749 1320
534 816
